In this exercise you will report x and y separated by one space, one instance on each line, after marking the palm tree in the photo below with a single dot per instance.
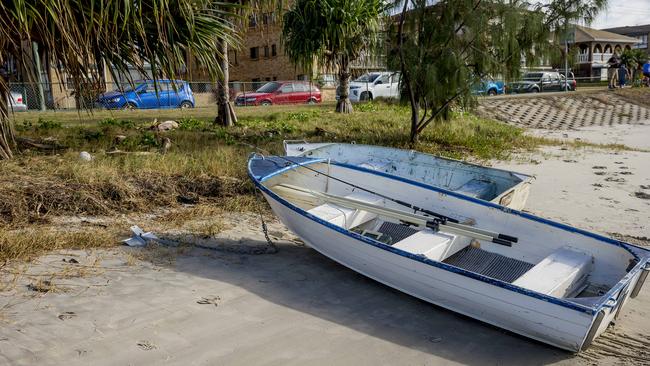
334 32
82 36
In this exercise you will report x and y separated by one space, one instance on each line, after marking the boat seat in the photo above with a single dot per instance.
344 216
561 274
433 245
478 188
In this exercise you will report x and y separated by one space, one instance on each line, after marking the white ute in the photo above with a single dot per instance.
374 85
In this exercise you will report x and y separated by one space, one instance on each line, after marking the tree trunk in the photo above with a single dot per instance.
225 112
415 120
414 99
6 128
344 105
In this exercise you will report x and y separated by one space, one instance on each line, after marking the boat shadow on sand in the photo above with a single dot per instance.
299 278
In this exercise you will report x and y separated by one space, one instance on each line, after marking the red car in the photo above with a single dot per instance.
281 92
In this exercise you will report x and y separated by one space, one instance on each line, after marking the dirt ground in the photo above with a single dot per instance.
234 301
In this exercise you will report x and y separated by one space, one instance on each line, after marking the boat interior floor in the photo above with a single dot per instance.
470 258
397 232
489 264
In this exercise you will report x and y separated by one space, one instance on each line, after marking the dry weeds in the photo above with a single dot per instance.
26 244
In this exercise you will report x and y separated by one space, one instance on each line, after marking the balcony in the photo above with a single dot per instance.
598 58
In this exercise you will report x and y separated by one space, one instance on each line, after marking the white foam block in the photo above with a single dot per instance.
561 274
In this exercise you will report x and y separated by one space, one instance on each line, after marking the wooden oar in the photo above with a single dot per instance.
435 224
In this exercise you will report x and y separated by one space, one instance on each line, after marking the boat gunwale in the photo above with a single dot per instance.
604 299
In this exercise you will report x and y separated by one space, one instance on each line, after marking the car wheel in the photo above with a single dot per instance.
534 90
311 101
265 103
492 92
130 106
186 105
365 96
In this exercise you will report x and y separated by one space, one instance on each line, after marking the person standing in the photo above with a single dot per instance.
622 75
646 73
612 70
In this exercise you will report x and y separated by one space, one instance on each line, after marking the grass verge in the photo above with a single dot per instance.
205 164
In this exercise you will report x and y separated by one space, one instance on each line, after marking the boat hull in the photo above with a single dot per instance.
568 323
512 189
534 318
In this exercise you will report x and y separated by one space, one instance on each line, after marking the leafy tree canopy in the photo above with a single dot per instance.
332 33
446 49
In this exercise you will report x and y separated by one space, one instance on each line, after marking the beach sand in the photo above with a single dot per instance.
194 306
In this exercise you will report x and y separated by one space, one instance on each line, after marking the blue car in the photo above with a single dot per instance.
489 87
143 95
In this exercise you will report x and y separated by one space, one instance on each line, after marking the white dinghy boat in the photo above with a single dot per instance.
535 277
490 184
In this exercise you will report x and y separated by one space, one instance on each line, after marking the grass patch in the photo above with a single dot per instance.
466 136
205 162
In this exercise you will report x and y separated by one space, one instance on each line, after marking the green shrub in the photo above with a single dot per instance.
47 124
366 107
193 124
148 138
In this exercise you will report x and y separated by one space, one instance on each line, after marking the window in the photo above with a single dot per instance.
266 51
267 79
384 79
252 21
287 88
275 78
643 43
299 87
300 77
268 18
232 57
255 53
274 51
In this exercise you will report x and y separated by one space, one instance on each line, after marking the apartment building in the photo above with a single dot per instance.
261 57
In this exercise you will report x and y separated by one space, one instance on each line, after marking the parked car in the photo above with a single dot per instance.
281 92
571 82
489 87
542 81
146 94
16 102
374 85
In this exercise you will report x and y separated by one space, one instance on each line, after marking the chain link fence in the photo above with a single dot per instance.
63 96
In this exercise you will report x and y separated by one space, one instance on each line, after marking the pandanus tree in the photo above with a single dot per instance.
332 34
225 112
84 37
443 48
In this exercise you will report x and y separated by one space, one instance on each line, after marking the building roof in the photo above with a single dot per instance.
635 30
586 34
